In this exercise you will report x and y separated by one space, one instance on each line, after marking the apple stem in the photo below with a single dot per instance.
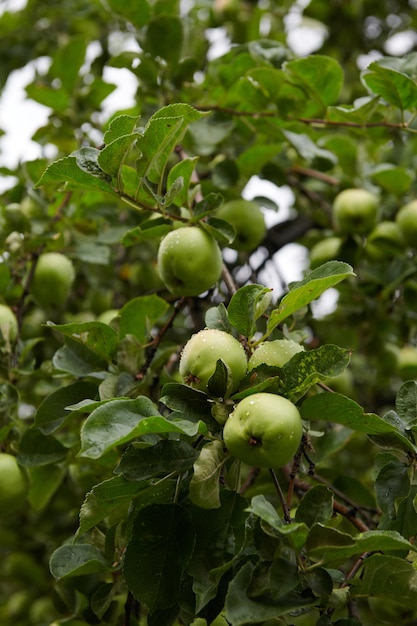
285 508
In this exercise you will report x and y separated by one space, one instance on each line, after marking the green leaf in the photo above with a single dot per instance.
391 485
45 480
77 559
98 337
119 127
217 317
309 289
122 420
220 536
393 178
37 449
164 130
188 403
164 457
205 482
241 609
309 367
294 534
135 11
330 544
164 38
163 539
185 170
117 492
67 170
139 316
244 308
406 404
67 62
320 77
337 408
388 577
52 411
307 149
316 506
112 155
220 229
395 87
76 358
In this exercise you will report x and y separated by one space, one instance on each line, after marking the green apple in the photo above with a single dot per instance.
264 430
52 280
201 353
407 362
406 219
8 323
247 219
355 211
13 483
189 261
385 241
325 250
275 353
107 316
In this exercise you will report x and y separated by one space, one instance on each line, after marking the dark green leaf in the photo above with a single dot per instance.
316 506
76 560
115 493
164 457
163 539
337 408
245 308
139 315
38 449
52 412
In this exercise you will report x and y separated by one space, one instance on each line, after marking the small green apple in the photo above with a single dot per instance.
13 483
189 261
406 219
52 280
107 316
201 353
264 430
8 323
275 353
407 362
355 211
247 219
385 241
326 249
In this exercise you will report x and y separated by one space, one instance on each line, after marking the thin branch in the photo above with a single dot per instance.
312 121
286 509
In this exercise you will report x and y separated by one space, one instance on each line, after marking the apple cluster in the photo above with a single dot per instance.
263 429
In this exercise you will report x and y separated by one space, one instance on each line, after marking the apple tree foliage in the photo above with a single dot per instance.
135 512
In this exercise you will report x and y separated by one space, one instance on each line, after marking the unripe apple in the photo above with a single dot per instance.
13 483
406 219
275 353
264 430
247 219
107 316
8 323
201 353
52 280
385 241
355 211
407 362
189 261
325 250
